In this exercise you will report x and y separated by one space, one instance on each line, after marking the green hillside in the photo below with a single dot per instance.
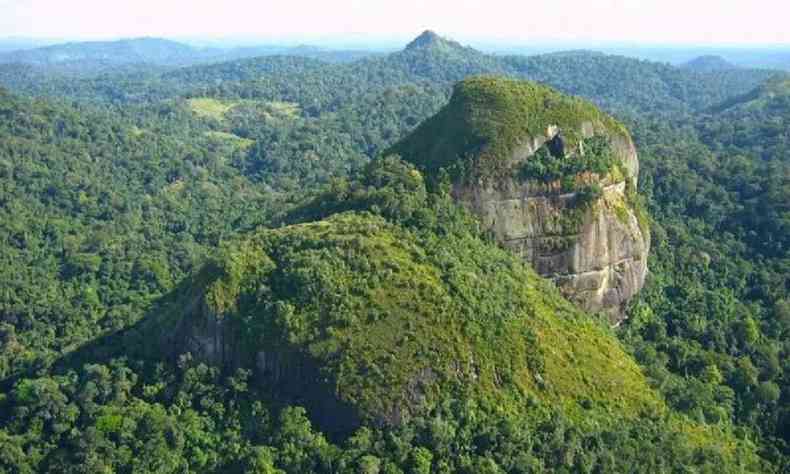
390 315
489 117
395 315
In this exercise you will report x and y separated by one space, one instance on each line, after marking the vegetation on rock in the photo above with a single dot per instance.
597 158
488 118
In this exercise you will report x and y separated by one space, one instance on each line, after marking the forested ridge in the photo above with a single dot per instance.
119 188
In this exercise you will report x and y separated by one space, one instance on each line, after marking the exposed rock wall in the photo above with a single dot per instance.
597 256
288 373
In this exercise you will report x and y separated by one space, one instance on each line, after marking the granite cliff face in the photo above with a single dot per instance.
551 177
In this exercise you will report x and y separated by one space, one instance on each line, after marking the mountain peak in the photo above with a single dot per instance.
709 63
428 39
501 113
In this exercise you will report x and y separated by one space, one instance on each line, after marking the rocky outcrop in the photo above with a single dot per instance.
584 231
597 256
287 373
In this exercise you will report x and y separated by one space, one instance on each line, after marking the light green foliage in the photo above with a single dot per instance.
236 265
284 110
636 203
222 110
377 305
210 108
236 140
488 118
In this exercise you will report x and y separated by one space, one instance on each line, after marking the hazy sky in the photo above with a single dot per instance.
521 21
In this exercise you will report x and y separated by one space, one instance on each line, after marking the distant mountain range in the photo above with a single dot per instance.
151 69
18 43
100 55
141 50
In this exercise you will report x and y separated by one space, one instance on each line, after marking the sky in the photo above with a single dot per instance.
700 22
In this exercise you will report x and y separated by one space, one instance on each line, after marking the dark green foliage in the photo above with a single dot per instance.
588 194
100 215
190 418
628 86
387 186
710 327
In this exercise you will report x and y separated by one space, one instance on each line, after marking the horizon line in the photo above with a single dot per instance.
362 39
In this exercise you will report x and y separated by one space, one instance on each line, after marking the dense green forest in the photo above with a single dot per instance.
124 191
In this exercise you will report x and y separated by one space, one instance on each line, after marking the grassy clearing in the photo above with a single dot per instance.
216 109
210 108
